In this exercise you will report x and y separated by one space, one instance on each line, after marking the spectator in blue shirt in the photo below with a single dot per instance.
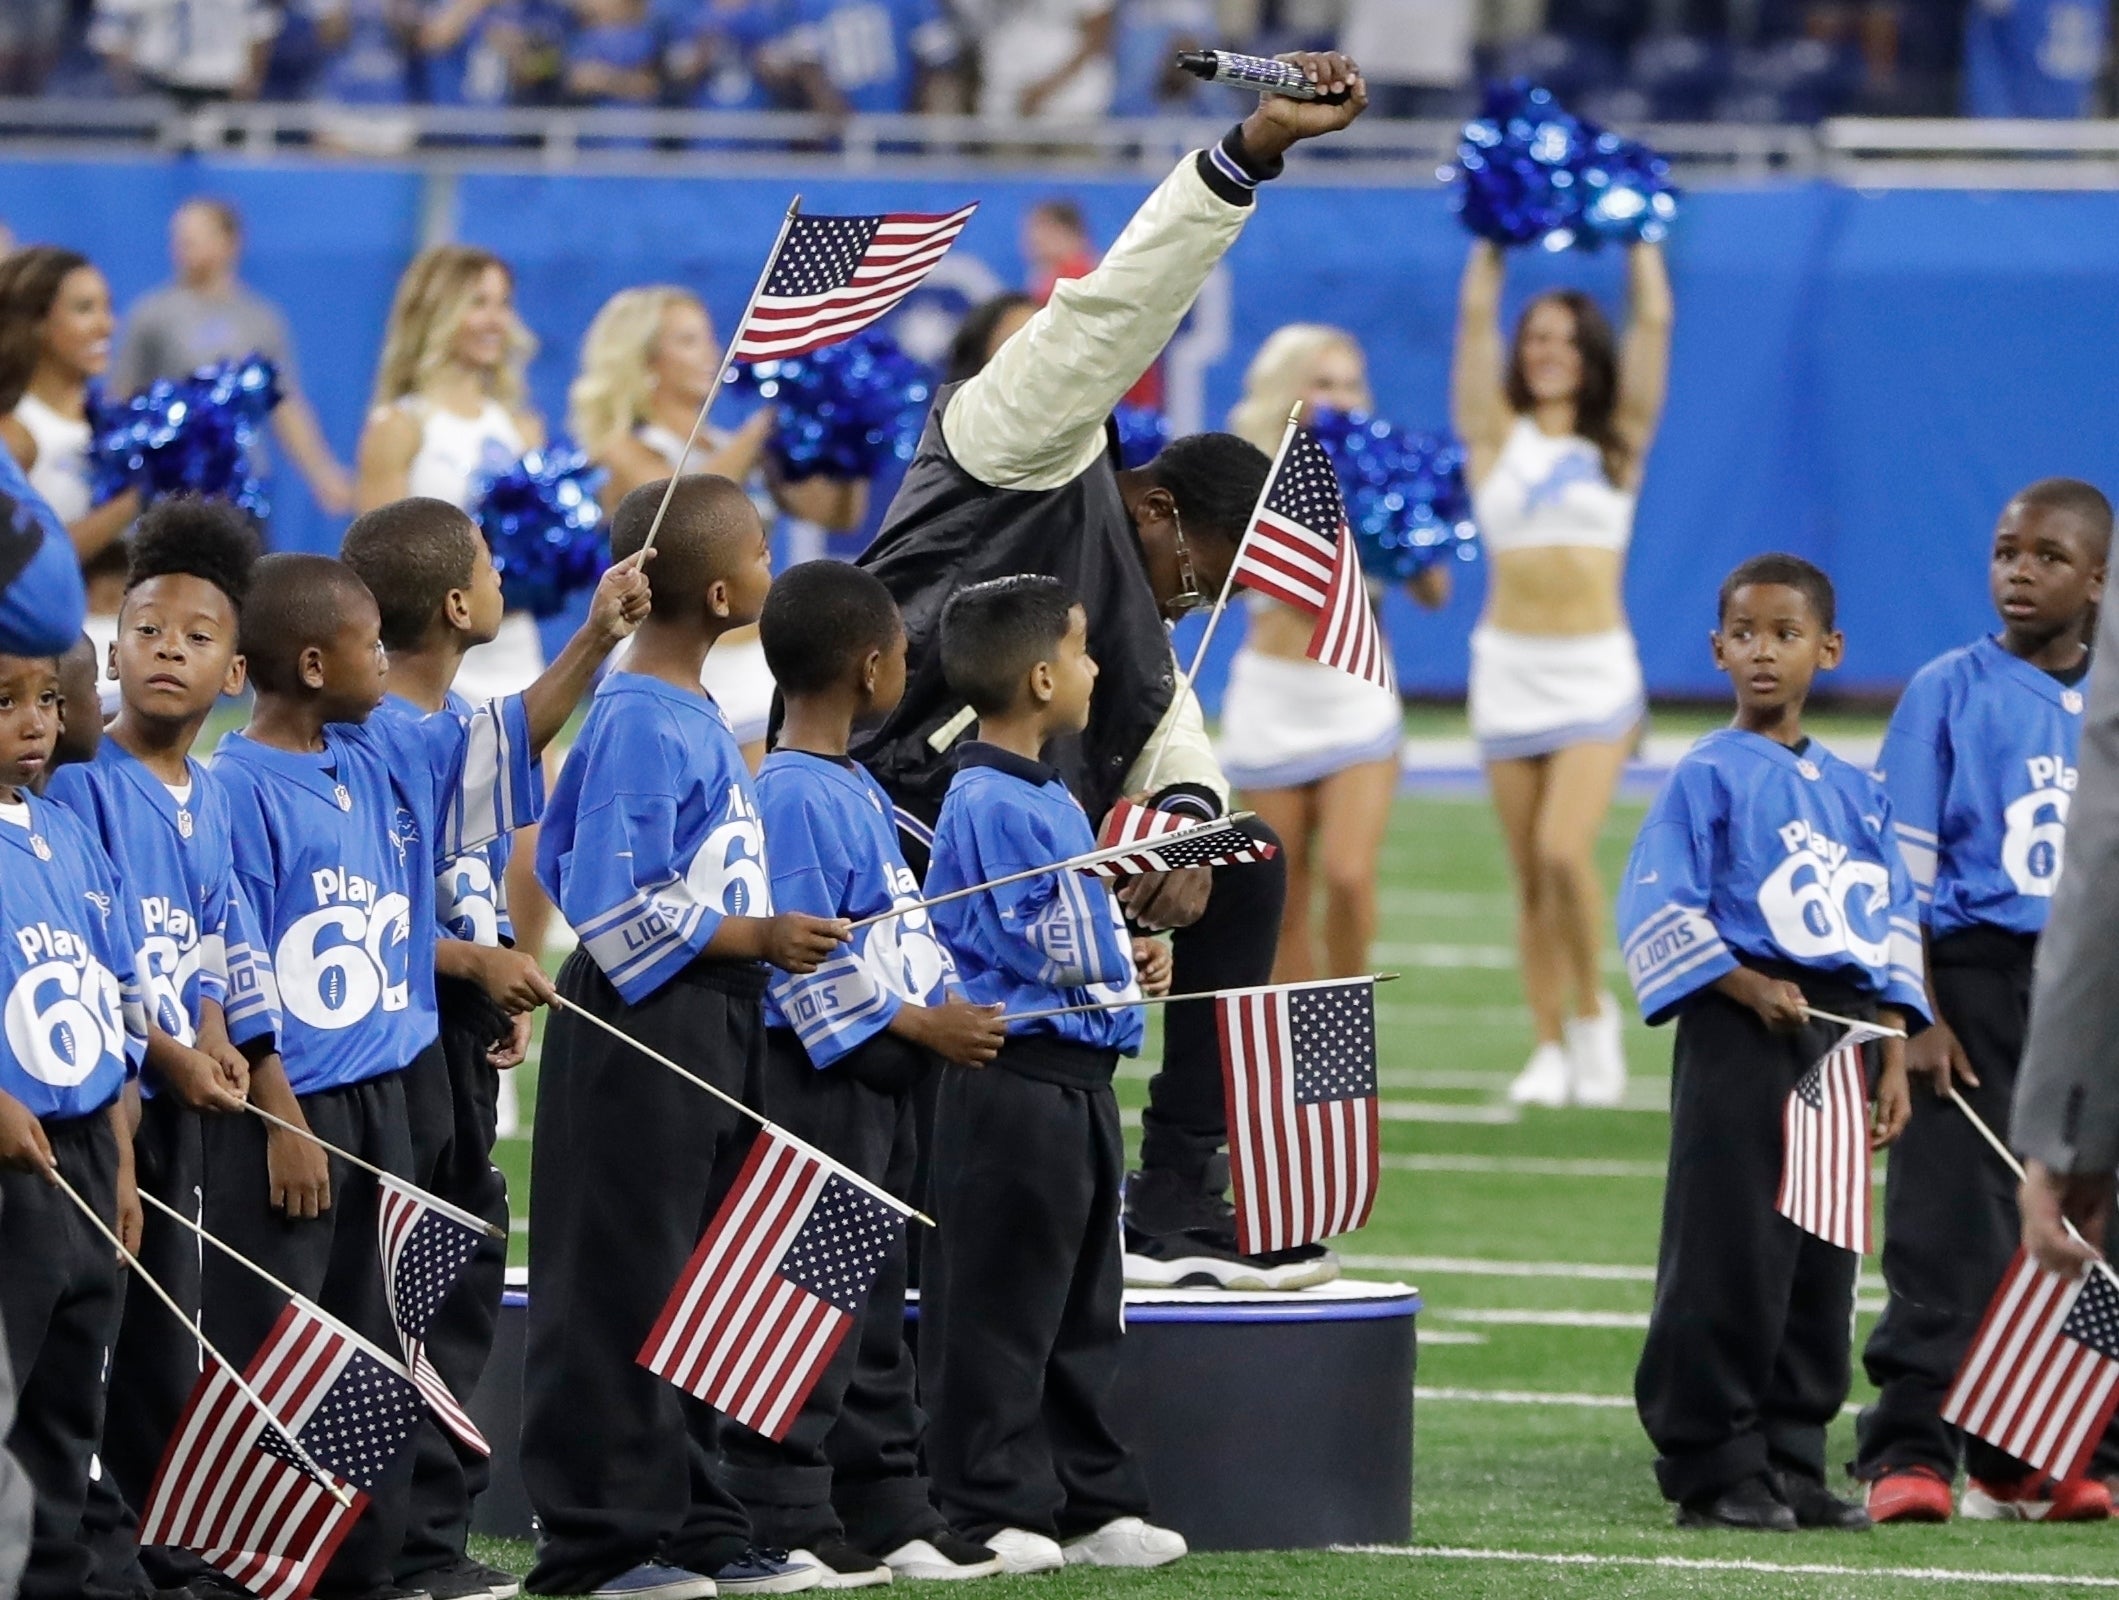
868 56
711 48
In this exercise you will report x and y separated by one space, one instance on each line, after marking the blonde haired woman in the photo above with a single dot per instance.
648 363
1556 430
449 404
1314 751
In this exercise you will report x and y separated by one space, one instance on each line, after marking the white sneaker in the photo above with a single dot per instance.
1544 1081
1596 1056
924 1561
1022 1551
843 1566
1127 1542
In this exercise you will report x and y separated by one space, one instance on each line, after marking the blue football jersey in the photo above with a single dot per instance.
76 1025
175 864
336 852
1979 763
1756 852
652 837
833 851
1054 940
471 889
871 50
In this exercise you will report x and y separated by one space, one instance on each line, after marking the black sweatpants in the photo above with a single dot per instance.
1021 1308
629 1163
1950 1219
450 1095
334 1259
849 1467
60 1302
156 1362
1749 1350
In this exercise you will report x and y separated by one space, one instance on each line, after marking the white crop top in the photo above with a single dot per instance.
61 472
454 450
1545 492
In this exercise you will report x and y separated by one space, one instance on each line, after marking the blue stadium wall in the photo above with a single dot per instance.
1859 377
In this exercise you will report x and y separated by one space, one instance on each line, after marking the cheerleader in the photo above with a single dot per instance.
648 363
450 404
1556 430
1314 751
55 330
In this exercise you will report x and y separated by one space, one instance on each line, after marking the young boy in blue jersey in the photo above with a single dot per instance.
1021 1288
338 819
76 1032
1765 882
438 595
1979 763
80 707
652 850
164 822
846 1046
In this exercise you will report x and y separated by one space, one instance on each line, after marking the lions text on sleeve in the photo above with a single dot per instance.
1052 940
335 854
834 852
1756 852
652 837
75 1022
176 867
1979 763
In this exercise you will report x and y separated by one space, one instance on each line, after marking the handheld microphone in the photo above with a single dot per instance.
1259 74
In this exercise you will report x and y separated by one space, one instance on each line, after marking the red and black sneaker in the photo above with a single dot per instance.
2035 1497
1910 1494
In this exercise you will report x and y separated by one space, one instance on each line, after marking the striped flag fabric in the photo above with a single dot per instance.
426 1246
1299 552
2042 1377
234 1490
1127 823
777 1280
833 276
1825 1148
1299 1077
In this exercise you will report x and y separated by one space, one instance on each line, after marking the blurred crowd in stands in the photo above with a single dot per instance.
1625 61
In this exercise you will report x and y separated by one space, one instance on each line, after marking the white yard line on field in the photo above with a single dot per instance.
1525 1397
1807 1569
1523 1166
1476 1267
1517 1318
1497 1116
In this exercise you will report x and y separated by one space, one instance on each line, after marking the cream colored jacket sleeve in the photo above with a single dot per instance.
1187 755
1034 418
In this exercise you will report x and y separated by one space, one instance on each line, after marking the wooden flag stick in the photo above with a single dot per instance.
2008 1158
846 1172
348 1156
330 1484
1853 1022
1071 864
1166 999
1190 675
375 1350
728 371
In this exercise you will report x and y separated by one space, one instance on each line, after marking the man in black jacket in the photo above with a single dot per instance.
1018 472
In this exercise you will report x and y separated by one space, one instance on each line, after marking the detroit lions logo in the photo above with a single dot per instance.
1577 466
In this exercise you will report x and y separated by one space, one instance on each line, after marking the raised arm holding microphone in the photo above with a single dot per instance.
1018 472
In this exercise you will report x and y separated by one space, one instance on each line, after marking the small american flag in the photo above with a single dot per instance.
776 1282
1128 823
1825 1148
233 1489
2042 1376
426 1247
1298 552
1299 1070
833 276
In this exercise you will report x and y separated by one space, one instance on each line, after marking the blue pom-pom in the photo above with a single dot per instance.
190 435
1530 172
545 528
845 410
1405 494
1143 434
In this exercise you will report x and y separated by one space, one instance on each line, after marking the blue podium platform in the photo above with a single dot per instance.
1264 1421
